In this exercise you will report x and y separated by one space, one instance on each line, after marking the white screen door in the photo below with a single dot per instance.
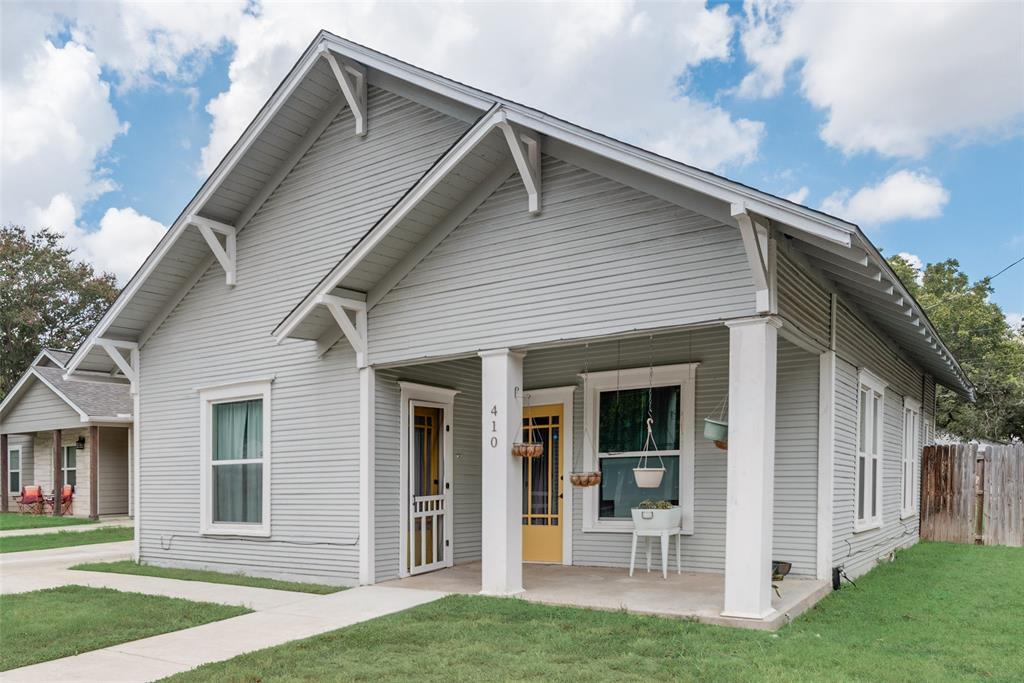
429 545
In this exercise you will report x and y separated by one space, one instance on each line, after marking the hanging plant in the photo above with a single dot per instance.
529 448
648 477
585 479
717 428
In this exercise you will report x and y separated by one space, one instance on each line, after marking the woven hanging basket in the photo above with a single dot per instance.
527 450
585 478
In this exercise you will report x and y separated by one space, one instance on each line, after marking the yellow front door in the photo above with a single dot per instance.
542 485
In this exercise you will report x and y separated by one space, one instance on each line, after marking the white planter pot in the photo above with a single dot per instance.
648 477
657 520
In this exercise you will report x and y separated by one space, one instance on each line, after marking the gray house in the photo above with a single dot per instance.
83 423
392 278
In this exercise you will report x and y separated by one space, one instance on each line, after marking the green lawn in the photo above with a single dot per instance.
62 539
940 612
17 520
60 622
129 567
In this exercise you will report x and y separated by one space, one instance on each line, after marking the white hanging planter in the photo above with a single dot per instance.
648 477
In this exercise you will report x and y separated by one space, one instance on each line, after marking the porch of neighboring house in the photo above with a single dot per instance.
455 511
92 459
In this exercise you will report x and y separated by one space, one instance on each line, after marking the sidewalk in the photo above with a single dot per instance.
120 520
153 658
37 569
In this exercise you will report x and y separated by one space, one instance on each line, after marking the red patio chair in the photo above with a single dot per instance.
31 500
67 500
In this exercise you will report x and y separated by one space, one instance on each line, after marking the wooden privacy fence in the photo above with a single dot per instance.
972 497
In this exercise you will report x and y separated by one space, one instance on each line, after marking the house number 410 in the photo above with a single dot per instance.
494 427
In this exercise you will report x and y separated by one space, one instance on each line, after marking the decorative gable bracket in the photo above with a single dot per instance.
225 253
352 81
755 244
525 148
129 366
350 314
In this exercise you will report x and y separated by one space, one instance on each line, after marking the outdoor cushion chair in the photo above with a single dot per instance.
31 500
67 500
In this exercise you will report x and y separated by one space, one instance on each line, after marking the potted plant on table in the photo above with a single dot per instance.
656 515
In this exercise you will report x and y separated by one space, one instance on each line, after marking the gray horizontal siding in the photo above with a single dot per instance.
600 258
801 299
27 444
38 409
336 192
865 347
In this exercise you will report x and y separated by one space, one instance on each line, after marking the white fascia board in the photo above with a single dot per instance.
16 389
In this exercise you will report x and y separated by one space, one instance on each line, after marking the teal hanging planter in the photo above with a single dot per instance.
716 430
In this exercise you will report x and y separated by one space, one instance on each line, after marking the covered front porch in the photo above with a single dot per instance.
454 510
689 595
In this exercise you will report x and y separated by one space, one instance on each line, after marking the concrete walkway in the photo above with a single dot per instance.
153 658
103 523
278 616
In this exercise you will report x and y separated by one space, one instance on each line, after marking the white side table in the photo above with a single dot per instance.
664 536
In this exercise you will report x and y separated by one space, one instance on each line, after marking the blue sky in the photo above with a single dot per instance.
177 98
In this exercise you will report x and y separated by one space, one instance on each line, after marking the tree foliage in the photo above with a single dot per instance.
989 350
47 298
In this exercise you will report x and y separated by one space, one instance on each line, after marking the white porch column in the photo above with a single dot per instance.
502 415
367 436
751 467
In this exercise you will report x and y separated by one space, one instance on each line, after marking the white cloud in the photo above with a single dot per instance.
893 77
1014 320
901 195
799 196
123 241
915 262
614 67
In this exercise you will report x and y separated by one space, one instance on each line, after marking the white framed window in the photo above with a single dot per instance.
615 406
69 465
870 445
14 469
911 453
235 456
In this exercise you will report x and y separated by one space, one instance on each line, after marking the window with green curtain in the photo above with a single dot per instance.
69 465
14 471
237 432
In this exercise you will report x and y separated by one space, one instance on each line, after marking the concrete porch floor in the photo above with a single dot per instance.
690 595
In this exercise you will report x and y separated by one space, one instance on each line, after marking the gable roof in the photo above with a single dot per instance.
308 99
94 397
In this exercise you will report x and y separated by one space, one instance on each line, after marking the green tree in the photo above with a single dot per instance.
47 298
989 350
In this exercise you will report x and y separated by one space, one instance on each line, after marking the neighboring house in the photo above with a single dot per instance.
83 423
337 342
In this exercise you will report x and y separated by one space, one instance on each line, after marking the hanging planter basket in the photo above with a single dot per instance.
527 450
584 479
716 430
648 477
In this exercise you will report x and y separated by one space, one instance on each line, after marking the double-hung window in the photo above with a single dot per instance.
14 469
235 477
870 445
911 450
69 465
616 407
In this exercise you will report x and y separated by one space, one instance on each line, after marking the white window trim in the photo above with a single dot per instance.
64 469
911 451
683 375
10 470
874 384
239 391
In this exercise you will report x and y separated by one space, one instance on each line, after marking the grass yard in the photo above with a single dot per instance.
17 520
939 612
60 622
63 539
129 567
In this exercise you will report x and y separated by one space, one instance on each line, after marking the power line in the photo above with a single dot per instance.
990 279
